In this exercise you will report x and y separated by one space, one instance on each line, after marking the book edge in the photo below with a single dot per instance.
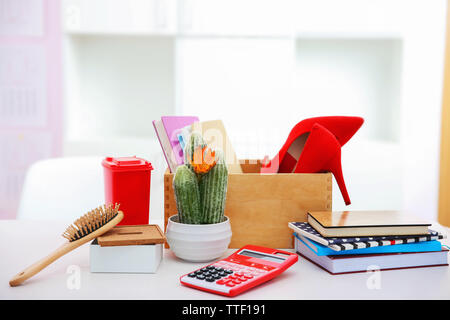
363 271
308 235
432 243
371 226
171 166
367 230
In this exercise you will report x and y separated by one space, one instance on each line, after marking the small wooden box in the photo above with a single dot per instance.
261 205
127 249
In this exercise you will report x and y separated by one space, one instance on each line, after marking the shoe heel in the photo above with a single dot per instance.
335 167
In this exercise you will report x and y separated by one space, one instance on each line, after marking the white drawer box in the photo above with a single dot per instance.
125 259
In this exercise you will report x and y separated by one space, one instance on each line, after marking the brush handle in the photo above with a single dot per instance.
62 250
41 264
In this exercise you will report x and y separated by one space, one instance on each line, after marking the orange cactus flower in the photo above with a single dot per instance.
203 159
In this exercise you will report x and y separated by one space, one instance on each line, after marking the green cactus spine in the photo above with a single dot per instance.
187 195
200 196
195 141
213 190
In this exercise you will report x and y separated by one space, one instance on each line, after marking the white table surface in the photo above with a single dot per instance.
23 242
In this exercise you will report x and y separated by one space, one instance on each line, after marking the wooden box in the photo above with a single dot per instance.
127 249
261 205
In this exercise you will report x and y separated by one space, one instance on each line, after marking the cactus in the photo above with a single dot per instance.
195 141
200 184
187 195
213 190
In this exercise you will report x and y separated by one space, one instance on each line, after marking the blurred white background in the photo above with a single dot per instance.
262 66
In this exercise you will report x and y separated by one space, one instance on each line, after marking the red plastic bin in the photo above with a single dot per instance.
127 181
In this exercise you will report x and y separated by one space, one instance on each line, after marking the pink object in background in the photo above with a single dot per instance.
30 92
173 125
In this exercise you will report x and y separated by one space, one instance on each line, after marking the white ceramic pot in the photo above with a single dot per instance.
198 242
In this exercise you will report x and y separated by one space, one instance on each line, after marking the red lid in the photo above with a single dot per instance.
126 163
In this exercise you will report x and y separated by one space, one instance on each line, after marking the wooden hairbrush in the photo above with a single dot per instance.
88 227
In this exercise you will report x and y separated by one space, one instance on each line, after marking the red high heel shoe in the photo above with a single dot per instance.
342 127
322 153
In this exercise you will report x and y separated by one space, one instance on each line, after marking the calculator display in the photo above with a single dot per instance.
262 256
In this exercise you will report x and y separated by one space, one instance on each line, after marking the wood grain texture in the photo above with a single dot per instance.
132 235
444 181
260 206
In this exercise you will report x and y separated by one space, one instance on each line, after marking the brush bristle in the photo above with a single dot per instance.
90 222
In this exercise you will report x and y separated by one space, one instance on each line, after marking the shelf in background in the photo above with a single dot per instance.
261 76
353 76
117 16
115 86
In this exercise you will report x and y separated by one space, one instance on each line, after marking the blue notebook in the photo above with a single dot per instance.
322 250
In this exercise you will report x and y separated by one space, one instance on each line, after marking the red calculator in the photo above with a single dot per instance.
244 269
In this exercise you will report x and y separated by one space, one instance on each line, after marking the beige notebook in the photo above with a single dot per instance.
366 223
216 136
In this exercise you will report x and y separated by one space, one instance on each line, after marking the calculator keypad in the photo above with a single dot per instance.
210 273
224 275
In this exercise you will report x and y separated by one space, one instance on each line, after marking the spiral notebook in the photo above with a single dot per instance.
321 250
350 243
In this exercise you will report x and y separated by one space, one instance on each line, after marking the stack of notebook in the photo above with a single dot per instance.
173 132
356 241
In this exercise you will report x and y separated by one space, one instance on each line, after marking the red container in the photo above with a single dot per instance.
127 181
